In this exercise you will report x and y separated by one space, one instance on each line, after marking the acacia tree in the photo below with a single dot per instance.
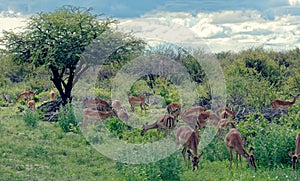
58 39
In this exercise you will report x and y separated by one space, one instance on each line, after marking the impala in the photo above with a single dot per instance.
225 113
165 121
189 139
95 115
25 95
297 152
191 114
223 123
116 105
31 105
137 101
210 116
52 95
281 104
123 115
194 110
234 141
174 109
98 103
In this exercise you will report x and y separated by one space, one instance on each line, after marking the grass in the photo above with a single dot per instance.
45 152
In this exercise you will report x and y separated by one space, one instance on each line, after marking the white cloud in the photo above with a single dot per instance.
294 2
11 23
219 31
232 30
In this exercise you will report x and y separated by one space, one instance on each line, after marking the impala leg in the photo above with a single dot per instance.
167 131
237 159
230 153
141 106
183 154
158 132
240 160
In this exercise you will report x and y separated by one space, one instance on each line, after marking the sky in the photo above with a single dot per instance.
221 25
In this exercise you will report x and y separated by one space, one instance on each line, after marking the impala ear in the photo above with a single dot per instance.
290 154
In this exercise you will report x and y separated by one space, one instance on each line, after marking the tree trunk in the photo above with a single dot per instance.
63 88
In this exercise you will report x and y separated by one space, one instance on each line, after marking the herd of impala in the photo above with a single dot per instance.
195 117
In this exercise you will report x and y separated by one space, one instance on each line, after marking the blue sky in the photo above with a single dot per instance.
136 8
222 25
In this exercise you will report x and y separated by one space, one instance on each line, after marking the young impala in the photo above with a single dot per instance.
137 101
52 95
297 152
189 139
234 141
31 105
285 105
166 121
25 95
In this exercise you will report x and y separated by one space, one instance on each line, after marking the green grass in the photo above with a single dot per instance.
45 152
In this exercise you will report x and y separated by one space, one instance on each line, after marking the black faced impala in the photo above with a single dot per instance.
234 141
296 155
189 139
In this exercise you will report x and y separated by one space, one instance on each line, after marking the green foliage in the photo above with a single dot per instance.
67 119
165 169
271 141
103 93
115 126
31 118
272 146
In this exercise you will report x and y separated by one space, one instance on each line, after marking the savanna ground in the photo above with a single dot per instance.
45 152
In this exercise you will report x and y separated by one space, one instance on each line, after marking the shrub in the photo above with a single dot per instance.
67 119
272 147
31 118
271 141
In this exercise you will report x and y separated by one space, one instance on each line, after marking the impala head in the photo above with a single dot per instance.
251 159
195 160
294 159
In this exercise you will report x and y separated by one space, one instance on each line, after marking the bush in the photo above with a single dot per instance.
272 147
67 119
271 141
31 118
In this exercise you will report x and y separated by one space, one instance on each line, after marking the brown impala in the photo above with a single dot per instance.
174 109
281 104
94 116
189 139
165 121
137 101
25 95
31 105
297 152
52 95
234 141
225 113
